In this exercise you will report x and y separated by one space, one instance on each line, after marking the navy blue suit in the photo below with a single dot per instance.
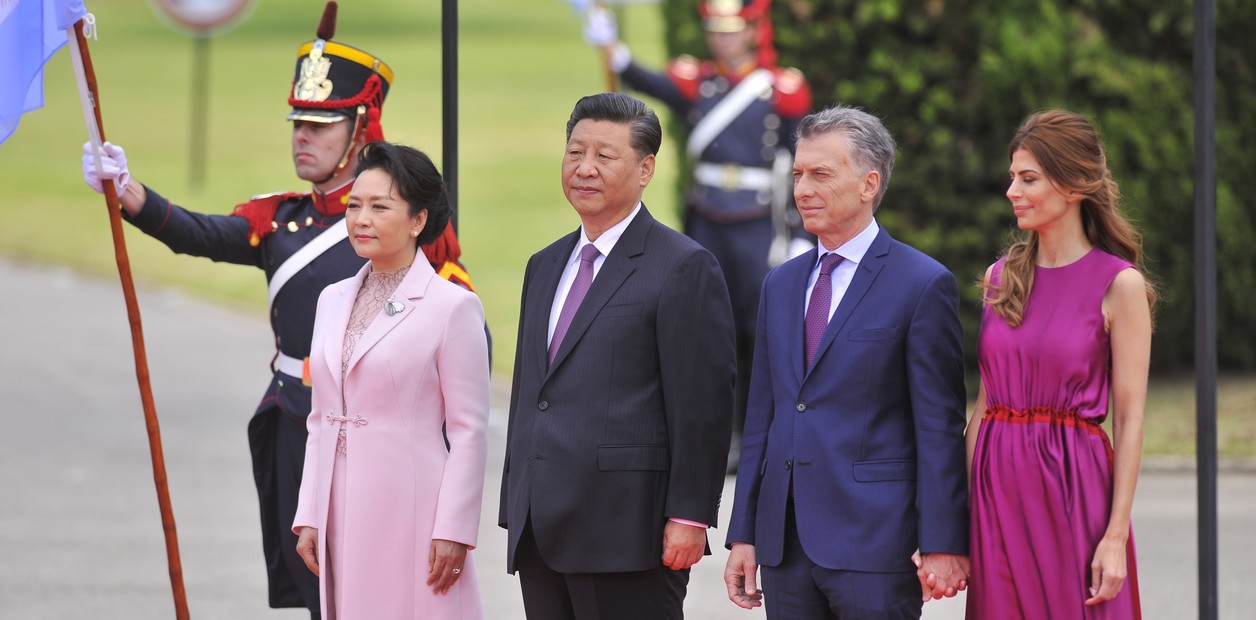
872 437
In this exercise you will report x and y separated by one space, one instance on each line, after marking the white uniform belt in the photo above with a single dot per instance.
733 177
290 366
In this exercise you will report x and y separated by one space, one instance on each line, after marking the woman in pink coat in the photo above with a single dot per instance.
389 508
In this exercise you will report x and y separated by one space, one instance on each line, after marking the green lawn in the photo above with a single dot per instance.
523 66
1170 420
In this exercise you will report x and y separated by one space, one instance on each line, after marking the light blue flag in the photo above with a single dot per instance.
31 31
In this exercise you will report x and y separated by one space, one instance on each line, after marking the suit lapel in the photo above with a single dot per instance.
550 267
334 337
614 271
865 274
796 289
411 288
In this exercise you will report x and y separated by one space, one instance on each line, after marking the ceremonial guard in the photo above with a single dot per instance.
300 240
742 111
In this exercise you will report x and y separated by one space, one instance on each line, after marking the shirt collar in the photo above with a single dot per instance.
607 240
334 201
853 250
736 72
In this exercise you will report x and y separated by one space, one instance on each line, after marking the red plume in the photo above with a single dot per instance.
374 131
444 248
765 42
327 27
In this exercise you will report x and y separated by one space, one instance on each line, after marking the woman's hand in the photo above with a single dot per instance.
444 564
1107 571
307 548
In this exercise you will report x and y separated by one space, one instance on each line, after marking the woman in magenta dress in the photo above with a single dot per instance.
1066 328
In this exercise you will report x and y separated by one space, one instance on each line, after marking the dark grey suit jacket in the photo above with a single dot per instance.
630 426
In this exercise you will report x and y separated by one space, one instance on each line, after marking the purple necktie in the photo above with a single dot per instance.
818 307
579 286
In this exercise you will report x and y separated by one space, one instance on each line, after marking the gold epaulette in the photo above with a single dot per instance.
273 194
454 272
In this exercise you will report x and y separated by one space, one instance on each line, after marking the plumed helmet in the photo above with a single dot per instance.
731 15
336 82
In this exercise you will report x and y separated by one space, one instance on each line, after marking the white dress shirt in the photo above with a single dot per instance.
852 252
605 243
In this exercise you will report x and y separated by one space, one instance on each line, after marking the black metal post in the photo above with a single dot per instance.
1206 302
449 102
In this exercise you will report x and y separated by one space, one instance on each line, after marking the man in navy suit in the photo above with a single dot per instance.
853 454
620 411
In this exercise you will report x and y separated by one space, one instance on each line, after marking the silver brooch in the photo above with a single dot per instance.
393 307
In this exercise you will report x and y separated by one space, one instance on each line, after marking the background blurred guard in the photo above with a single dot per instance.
742 111
301 242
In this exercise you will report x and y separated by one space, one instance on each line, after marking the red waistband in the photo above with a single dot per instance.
1054 415
1049 415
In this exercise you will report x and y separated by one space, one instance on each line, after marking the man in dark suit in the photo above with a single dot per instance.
620 411
853 455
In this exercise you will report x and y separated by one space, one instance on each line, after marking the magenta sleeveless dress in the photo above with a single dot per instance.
1042 469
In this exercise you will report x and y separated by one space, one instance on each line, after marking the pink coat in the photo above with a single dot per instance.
410 373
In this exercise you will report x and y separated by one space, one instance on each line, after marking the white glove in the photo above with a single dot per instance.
600 29
782 250
798 247
113 165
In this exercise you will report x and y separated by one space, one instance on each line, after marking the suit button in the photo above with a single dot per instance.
789 464
802 407
543 405
529 459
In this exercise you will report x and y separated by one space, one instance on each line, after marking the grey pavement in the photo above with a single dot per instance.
80 532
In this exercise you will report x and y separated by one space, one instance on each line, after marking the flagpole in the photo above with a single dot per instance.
608 73
95 129
612 81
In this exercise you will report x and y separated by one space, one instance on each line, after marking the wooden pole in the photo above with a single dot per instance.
612 80
137 341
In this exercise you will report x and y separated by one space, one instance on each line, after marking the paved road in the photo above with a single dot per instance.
80 532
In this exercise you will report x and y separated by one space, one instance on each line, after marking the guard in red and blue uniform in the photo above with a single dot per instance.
301 242
742 111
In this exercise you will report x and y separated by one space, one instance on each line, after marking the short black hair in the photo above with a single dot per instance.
647 134
417 180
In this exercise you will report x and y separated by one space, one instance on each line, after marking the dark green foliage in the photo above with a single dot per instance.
952 80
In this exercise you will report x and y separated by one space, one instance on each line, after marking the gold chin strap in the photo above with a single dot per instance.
353 138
